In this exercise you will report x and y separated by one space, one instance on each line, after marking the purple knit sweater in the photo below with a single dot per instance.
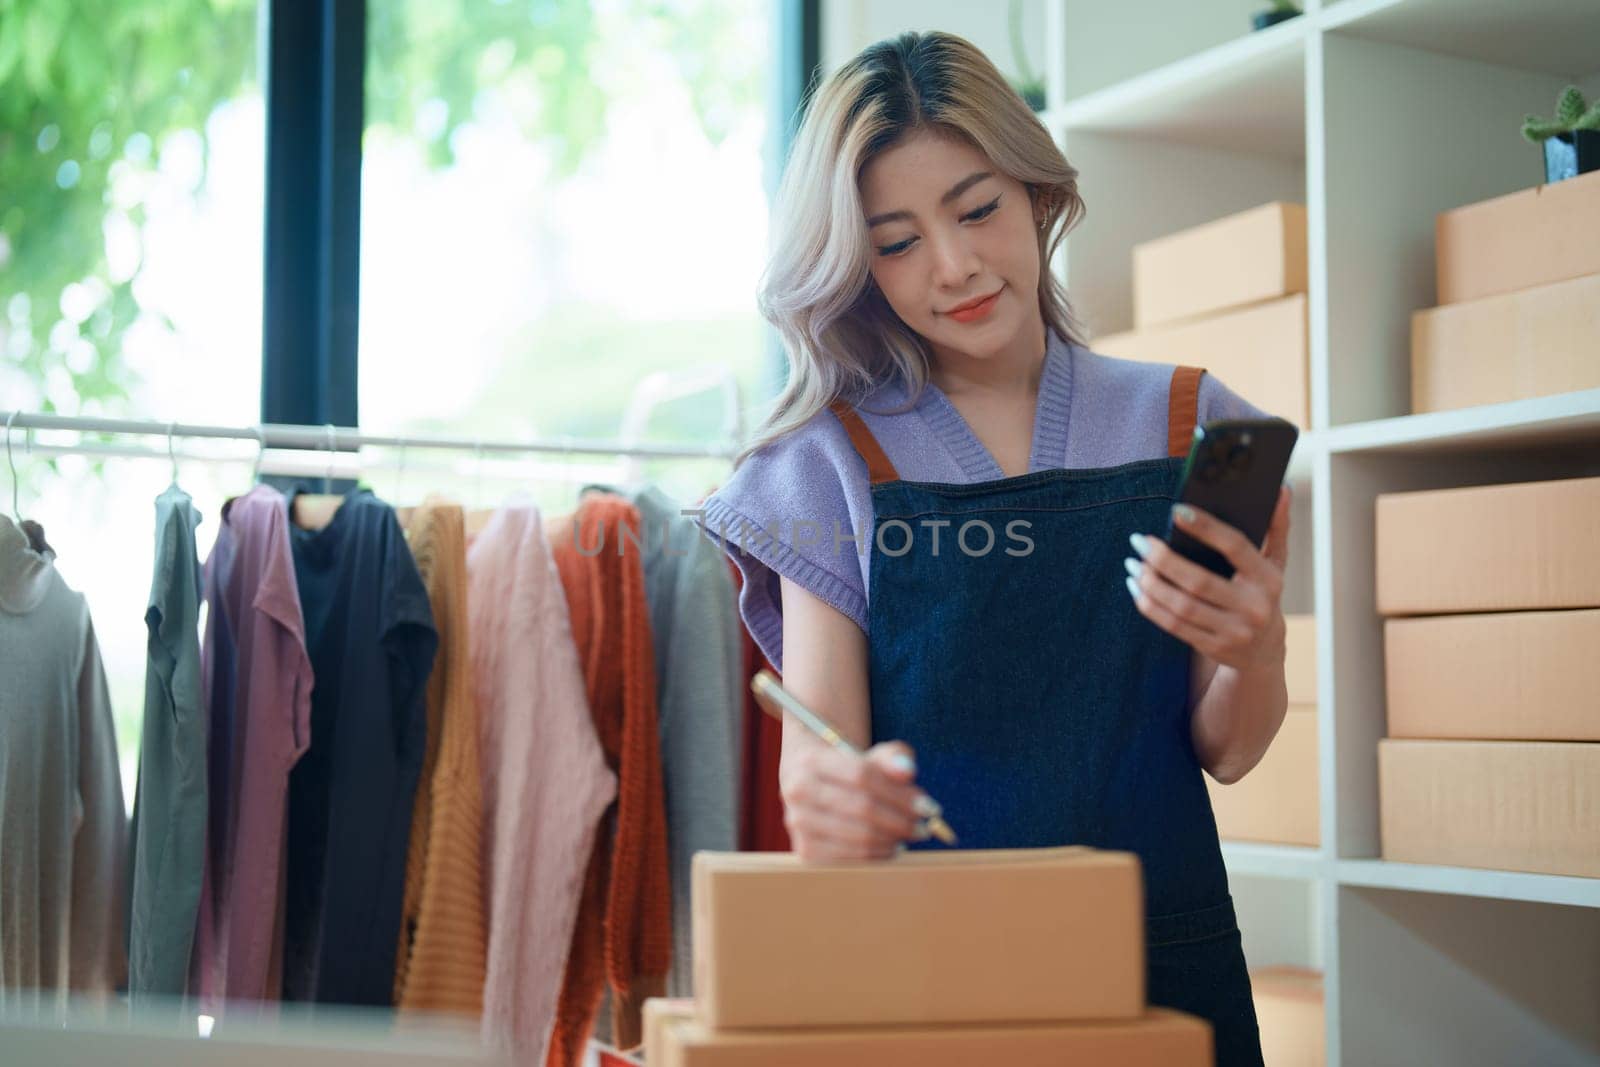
1093 411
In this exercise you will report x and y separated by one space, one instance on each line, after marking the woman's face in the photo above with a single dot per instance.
947 229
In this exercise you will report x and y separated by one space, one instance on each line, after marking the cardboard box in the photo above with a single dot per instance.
1259 352
1536 236
925 938
658 1012
1242 259
1277 801
1506 805
1522 676
1158 1038
1528 545
1537 342
1300 660
1289 1009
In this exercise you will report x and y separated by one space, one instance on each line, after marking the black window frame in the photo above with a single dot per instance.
315 81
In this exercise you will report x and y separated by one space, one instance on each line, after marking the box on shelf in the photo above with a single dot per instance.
1277 802
658 1012
1525 675
1528 545
1159 1037
1300 659
1505 805
1255 255
1259 352
1536 236
1289 1010
1537 342
925 938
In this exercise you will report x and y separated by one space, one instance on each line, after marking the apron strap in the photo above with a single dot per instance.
1183 409
879 469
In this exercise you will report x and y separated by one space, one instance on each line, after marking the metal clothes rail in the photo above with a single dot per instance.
339 439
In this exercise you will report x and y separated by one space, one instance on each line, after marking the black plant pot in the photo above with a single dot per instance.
1568 155
1262 19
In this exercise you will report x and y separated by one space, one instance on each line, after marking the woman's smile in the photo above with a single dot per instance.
974 310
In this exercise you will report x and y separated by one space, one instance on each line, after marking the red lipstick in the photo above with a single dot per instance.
974 310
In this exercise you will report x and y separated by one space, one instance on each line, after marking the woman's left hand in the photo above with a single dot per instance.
1236 622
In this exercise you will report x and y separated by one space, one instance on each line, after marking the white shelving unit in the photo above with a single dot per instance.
1377 115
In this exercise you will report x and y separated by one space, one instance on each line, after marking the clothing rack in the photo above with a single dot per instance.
332 439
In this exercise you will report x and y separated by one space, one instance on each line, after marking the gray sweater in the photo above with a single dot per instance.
695 627
63 829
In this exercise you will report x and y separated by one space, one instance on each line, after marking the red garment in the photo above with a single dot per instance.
623 933
761 827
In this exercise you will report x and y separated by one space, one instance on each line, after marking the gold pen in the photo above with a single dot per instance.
775 700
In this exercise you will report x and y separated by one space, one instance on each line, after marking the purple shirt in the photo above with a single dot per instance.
1092 411
257 681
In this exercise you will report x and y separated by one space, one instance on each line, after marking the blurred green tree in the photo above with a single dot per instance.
90 88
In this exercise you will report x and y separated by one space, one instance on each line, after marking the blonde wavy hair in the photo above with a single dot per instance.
841 337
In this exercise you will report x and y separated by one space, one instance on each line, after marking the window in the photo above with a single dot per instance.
131 155
558 199
554 208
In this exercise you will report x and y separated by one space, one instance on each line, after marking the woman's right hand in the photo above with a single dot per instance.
841 807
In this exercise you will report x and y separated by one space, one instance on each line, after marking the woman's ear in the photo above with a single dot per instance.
1041 210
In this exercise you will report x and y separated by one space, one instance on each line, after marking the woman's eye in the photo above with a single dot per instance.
983 212
896 248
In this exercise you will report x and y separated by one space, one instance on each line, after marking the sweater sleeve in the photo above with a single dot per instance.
639 909
546 781
798 508
99 848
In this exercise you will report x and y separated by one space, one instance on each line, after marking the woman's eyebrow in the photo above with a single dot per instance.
955 190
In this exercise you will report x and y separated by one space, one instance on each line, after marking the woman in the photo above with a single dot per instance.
934 525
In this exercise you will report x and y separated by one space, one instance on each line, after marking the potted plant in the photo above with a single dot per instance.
1029 86
1571 140
1278 11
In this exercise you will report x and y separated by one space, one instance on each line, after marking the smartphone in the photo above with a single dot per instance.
1234 470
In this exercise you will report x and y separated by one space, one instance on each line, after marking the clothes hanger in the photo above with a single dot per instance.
16 508
478 516
172 452
261 453
314 511
33 531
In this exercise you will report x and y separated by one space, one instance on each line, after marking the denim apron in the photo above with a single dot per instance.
1044 710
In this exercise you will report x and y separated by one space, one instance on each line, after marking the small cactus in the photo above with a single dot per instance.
1572 113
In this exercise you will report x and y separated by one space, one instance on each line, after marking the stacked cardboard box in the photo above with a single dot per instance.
1278 800
930 959
1228 296
1492 599
1519 296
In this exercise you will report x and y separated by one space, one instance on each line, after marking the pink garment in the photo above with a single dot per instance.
257 680
546 783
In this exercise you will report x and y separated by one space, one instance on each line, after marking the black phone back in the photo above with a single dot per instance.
1234 470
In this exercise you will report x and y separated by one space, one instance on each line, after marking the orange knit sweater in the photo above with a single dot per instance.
440 961
623 933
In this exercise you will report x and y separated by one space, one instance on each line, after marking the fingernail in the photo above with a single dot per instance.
1133 589
926 806
1141 544
1135 568
902 762
921 833
1183 512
